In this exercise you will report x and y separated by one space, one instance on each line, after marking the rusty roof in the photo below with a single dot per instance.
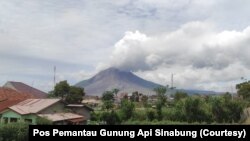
62 116
33 105
24 88
10 97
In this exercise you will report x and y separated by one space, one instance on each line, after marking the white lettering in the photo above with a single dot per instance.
40 133
145 134
225 132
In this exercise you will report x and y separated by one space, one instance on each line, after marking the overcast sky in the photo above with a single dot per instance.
204 43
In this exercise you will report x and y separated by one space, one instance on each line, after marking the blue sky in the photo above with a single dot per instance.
204 43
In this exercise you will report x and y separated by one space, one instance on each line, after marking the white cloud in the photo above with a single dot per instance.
79 35
196 53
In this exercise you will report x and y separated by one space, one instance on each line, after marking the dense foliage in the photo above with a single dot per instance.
244 90
108 100
14 132
195 109
70 94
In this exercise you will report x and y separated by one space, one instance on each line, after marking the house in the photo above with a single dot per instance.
10 97
24 88
80 109
31 109
91 102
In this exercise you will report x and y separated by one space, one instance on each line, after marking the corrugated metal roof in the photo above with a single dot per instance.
33 105
10 97
24 88
61 116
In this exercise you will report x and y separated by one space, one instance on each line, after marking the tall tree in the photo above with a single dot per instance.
70 94
127 109
135 96
144 100
61 89
244 90
75 95
180 95
115 91
108 100
161 100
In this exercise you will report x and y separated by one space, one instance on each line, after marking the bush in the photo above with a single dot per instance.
127 109
110 118
151 115
14 132
139 114
43 121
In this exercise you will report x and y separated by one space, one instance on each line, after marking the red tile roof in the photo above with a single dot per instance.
9 97
23 88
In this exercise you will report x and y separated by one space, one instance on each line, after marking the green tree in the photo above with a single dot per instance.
180 95
178 111
111 118
127 109
195 110
108 100
95 116
115 91
235 109
227 96
218 108
75 95
144 100
224 110
135 96
61 89
244 90
160 92
161 100
69 94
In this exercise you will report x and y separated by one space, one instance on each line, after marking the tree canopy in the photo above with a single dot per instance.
61 89
244 90
75 95
70 94
108 100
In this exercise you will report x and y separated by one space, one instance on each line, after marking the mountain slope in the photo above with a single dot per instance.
126 82
113 78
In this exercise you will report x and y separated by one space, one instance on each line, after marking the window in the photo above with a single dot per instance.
13 119
28 120
5 120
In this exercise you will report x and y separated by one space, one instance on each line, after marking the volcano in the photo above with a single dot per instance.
112 78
